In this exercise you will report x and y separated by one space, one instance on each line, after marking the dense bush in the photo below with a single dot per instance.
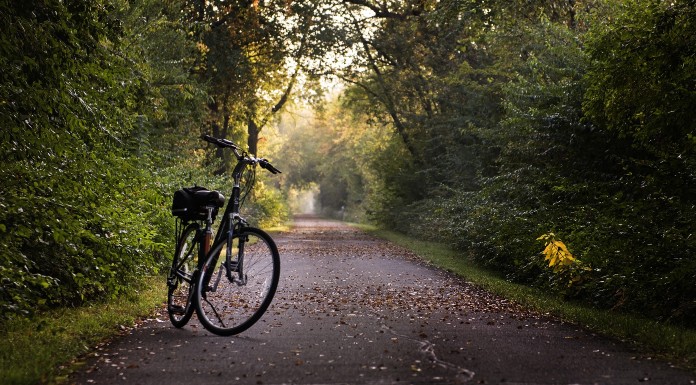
72 227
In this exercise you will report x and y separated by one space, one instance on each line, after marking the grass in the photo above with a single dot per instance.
668 342
282 228
40 350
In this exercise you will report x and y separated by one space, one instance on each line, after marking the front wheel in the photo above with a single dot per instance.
229 301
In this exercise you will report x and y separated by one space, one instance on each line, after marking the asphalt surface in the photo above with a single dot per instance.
352 309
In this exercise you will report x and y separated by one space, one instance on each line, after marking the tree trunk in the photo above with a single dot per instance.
220 131
253 139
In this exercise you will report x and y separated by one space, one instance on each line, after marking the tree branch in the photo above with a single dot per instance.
382 11
386 99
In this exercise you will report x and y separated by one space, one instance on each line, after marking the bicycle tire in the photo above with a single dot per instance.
182 276
226 308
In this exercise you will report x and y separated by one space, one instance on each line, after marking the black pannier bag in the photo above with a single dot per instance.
190 202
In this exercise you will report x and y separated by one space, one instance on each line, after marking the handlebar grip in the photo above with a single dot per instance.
209 139
218 142
268 166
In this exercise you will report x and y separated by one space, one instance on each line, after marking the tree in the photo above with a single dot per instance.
427 74
512 121
69 97
255 53
170 100
640 75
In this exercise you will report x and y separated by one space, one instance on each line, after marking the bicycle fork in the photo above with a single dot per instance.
238 265
230 266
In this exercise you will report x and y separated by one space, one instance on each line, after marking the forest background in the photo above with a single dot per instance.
550 141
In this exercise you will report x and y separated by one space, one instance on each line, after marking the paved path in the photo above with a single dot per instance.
352 309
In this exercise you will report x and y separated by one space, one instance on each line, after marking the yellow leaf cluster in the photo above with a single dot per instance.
202 48
561 260
556 252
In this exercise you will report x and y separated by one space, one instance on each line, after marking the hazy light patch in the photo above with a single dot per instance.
305 200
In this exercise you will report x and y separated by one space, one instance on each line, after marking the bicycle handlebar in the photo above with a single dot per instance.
222 143
219 142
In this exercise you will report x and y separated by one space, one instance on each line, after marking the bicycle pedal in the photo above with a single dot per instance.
175 309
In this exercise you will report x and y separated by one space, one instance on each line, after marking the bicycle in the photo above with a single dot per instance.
229 279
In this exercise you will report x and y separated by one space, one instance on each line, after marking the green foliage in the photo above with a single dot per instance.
84 214
490 126
170 103
561 171
574 118
266 206
642 63
641 78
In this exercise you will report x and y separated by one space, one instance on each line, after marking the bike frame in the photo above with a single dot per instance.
231 217
231 221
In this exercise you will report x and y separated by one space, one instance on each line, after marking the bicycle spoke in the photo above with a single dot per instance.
217 315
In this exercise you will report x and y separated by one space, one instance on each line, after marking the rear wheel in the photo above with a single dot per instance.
228 303
181 276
